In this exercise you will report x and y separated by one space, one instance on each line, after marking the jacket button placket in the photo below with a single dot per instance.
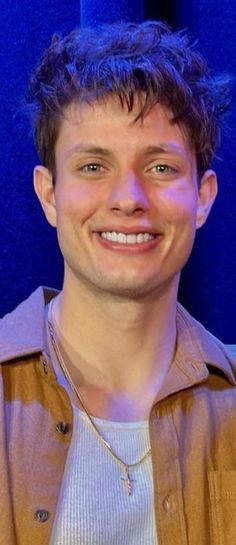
41 515
167 476
62 428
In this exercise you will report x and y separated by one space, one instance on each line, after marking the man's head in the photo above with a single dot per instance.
127 120
127 60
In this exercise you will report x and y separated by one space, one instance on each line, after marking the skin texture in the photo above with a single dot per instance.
114 174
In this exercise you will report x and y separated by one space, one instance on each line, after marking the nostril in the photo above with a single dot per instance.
128 212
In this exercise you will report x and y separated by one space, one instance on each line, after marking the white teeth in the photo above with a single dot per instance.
138 238
121 237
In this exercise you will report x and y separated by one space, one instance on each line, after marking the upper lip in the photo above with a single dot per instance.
127 230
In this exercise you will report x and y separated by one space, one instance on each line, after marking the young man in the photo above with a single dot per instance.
118 409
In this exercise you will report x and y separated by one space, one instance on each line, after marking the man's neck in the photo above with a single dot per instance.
119 346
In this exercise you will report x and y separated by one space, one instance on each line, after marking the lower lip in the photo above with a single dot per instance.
128 248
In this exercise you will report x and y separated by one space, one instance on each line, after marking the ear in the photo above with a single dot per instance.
44 190
206 196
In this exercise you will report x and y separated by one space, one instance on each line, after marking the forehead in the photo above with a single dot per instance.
107 122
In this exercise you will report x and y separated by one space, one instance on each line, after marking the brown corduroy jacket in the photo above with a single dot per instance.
192 433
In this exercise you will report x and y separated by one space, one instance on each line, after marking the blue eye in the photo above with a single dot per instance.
162 169
91 167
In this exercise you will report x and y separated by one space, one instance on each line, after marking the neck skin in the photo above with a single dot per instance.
118 351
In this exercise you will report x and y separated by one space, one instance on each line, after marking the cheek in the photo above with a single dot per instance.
179 208
76 205
180 217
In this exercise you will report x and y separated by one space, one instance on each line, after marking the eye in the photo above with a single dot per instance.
162 169
91 168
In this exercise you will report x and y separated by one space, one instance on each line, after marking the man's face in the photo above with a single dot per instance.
126 202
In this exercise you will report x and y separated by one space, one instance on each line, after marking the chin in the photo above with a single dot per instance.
128 290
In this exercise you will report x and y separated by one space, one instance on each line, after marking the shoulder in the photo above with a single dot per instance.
22 331
201 346
231 349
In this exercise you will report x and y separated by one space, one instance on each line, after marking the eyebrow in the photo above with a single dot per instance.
165 148
149 150
94 150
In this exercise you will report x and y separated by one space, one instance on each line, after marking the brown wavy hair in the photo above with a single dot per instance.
126 59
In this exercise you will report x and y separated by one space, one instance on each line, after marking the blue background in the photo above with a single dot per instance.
29 250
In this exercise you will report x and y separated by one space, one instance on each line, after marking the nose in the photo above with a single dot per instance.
128 195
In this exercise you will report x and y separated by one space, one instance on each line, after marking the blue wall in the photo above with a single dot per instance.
30 254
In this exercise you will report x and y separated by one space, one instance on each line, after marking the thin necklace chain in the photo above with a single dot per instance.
126 467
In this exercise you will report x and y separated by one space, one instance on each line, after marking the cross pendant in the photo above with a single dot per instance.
127 481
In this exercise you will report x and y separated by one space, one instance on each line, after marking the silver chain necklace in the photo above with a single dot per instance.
126 468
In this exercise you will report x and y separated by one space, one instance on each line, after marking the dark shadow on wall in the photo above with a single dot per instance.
163 10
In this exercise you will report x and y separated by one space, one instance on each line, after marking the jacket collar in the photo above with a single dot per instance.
198 352
22 333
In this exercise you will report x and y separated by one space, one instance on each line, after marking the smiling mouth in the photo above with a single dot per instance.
131 238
